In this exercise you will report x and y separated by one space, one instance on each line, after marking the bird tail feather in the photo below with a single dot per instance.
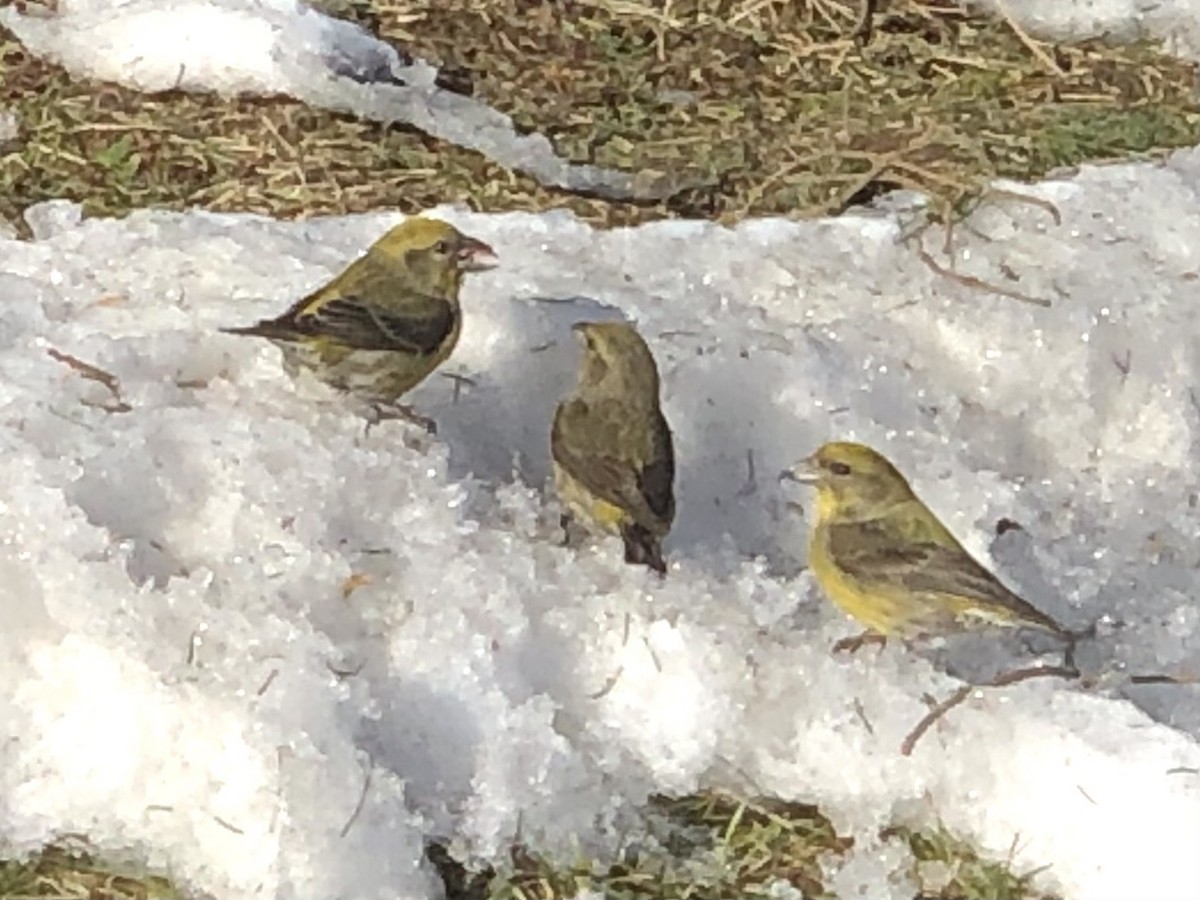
267 328
643 548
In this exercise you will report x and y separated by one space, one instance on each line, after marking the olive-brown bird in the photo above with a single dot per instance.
384 324
881 555
613 460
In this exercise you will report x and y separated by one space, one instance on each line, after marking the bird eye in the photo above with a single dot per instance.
441 247
839 468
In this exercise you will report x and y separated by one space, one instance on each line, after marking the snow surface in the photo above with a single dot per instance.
1175 21
176 623
230 46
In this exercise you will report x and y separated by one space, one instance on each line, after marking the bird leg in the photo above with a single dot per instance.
380 412
858 641
567 523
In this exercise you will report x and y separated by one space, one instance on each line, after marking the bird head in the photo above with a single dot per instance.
852 480
614 354
435 253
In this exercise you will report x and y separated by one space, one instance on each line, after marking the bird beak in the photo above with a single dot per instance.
804 472
475 256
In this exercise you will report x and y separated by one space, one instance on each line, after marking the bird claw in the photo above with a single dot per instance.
858 641
395 411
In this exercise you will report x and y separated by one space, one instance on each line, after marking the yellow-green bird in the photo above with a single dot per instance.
613 459
382 326
881 555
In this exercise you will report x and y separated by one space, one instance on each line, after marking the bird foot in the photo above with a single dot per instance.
379 412
858 641
567 523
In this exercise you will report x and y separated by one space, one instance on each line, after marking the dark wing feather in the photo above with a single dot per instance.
657 480
578 445
407 321
420 327
872 555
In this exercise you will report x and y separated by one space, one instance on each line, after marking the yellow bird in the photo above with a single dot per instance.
613 458
382 326
881 555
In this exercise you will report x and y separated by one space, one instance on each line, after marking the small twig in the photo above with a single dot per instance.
842 202
1012 849
93 373
734 821
1040 202
948 239
353 583
856 642
821 7
280 141
87 370
972 281
267 683
862 715
612 681
1124 364
225 824
608 685
1030 43
459 381
992 194
751 485
924 175
194 640
1163 678
653 656
118 407
959 697
362 801
748 10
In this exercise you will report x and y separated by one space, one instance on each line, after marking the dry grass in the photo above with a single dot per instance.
69 869
773 107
